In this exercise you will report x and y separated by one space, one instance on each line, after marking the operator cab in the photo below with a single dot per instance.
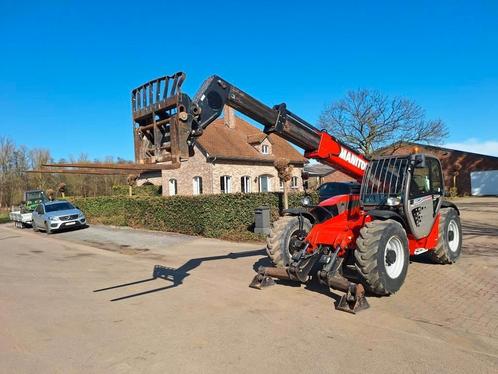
411 186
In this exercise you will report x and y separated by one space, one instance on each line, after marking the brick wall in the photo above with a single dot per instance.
196 166
210 172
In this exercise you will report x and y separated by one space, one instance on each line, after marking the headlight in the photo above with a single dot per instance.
53 218
306 201
393 201
80 215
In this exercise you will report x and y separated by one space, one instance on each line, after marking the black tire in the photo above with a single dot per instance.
447 251
374 259
278 243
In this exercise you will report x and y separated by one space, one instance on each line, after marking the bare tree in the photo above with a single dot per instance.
369 120
15 160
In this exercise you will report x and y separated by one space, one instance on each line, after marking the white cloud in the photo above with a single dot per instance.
485 147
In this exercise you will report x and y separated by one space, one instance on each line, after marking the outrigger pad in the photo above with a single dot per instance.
353 303
261 281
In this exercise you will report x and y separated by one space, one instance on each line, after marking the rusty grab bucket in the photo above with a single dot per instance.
161 121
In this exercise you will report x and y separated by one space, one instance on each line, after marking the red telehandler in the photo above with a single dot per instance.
362 240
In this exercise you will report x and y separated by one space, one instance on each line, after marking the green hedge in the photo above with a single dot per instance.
146 190
4 217
225 216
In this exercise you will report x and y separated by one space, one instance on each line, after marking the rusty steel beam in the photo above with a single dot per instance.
79 171
130 167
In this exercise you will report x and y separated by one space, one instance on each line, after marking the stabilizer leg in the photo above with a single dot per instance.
265 276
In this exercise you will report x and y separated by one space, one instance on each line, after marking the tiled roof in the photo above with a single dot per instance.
218 140
256 138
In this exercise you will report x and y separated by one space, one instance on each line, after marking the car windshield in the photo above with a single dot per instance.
333 189
58 206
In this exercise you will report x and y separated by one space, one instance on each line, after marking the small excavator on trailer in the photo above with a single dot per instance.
357 242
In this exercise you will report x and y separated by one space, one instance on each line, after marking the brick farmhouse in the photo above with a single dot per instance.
231 156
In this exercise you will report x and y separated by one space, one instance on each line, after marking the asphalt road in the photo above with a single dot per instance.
85 301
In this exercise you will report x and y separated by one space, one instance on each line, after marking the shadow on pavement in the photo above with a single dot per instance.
176 276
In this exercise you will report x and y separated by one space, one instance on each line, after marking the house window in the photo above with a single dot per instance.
264 183
294 182
226 184
172 187
265 150
245 184
197 185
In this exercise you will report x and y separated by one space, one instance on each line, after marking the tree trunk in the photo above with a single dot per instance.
286 197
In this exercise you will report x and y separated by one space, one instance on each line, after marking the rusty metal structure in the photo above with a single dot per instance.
160 122
160 130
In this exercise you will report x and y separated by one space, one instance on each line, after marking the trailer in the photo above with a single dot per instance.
22 215
21 220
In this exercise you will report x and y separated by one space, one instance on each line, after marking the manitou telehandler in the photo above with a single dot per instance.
347 242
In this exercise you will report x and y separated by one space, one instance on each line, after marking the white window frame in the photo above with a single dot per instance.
197 185
268 179
265 149
245 184
227 184
172 185
294 182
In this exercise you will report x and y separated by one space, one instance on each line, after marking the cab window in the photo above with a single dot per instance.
427 180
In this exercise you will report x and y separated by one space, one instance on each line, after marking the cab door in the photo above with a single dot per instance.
424 195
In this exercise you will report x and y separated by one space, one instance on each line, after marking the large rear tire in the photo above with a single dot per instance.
382 256
449 242
280 244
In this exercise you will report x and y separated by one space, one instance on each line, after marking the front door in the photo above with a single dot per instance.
425 191
37 215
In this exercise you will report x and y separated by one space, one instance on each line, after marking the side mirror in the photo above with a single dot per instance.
418 160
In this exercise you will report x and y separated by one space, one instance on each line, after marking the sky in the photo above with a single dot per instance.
67 67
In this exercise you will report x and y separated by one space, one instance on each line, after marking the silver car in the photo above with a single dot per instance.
57 215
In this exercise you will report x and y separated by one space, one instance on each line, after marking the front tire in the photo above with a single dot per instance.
449 242
382 256
280 244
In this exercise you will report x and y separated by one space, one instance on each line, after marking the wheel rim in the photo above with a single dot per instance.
394 257
293 242
454 235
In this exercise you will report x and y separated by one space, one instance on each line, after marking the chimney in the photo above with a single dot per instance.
229 117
